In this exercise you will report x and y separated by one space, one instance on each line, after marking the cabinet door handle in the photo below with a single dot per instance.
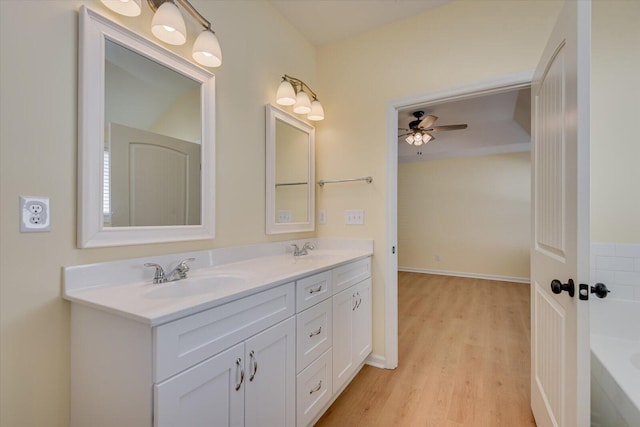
359 300
316 388
239 366
314 290
252 357
316 332
355 305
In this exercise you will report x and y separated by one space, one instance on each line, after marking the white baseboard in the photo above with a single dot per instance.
376 361
526 280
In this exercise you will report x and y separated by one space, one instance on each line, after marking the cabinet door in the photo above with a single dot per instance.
343 308
362 322
271 377
204 395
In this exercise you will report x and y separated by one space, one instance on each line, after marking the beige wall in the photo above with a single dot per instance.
460 43
38 157
474 213
615 114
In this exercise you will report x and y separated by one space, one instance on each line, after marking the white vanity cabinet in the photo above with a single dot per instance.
251 384
333 334
352 334
231 365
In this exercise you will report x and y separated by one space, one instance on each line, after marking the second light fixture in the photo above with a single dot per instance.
292 92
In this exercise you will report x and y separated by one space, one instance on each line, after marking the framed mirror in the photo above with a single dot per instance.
146 140
290 195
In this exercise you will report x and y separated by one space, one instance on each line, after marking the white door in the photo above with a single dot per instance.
209 394
560 242
155 179
270 394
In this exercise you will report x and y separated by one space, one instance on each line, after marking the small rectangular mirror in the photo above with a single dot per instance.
290 195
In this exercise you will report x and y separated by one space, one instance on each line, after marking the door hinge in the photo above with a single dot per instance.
393 249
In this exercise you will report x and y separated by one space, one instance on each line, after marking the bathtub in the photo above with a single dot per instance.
615 363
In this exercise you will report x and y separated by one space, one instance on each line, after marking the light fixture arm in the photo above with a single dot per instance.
299 84
155 4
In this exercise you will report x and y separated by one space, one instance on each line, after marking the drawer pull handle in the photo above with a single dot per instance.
316 332
239 366
314 290
316 388
355 305
252 357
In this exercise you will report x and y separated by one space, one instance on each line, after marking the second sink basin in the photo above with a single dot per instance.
194 286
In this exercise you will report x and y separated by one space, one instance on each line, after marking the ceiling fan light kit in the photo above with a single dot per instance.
419 129
291 91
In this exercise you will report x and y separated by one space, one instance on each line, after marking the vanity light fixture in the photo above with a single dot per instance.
292 92
168 25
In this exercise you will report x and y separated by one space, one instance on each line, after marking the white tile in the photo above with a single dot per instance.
628 278
614 263
605 249
638 264
621 292
605 276
628 250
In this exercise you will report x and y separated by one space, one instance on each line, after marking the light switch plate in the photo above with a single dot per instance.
322 216
354 217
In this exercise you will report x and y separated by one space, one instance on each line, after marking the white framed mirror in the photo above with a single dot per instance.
146 149
290 190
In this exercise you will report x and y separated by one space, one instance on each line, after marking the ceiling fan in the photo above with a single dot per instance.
420 129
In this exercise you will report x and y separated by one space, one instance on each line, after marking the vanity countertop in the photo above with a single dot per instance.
208 287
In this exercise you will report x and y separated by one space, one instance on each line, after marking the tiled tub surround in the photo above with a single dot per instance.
125 287
618 266
615 363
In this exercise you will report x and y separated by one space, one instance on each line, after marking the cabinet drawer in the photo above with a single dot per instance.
314 333
185 342
313 289
350 274
314 389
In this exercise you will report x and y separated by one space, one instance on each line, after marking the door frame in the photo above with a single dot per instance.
480 88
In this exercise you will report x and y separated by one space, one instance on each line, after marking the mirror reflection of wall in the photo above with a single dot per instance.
153 136
292 173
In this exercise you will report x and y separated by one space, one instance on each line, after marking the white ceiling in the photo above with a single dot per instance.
497 123
327 21
492 125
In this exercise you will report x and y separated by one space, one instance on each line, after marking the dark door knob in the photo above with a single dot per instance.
600 289
557 287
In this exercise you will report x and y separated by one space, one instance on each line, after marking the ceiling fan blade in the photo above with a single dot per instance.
405 134
447 127
404 129
427 121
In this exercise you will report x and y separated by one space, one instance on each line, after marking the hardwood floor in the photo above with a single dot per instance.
463 359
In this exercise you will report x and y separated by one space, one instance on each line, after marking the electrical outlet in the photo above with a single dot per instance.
354 217
34 214
322 216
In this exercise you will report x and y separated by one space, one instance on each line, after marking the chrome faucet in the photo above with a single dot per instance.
299 252
180 271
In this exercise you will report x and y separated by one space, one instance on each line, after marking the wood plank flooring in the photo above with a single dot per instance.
463 359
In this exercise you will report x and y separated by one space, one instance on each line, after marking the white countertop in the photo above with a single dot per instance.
205 287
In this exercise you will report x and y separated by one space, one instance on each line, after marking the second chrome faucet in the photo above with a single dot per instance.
306 247
178 273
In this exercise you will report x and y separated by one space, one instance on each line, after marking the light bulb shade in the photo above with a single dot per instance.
124 7
317 112
206 50
285 95
168 25
410 139
426 138
417 136
418 142
303 103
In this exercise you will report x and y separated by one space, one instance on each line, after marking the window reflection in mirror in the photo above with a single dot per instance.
152 142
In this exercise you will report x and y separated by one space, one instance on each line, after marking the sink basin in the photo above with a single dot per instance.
194 286
314 257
